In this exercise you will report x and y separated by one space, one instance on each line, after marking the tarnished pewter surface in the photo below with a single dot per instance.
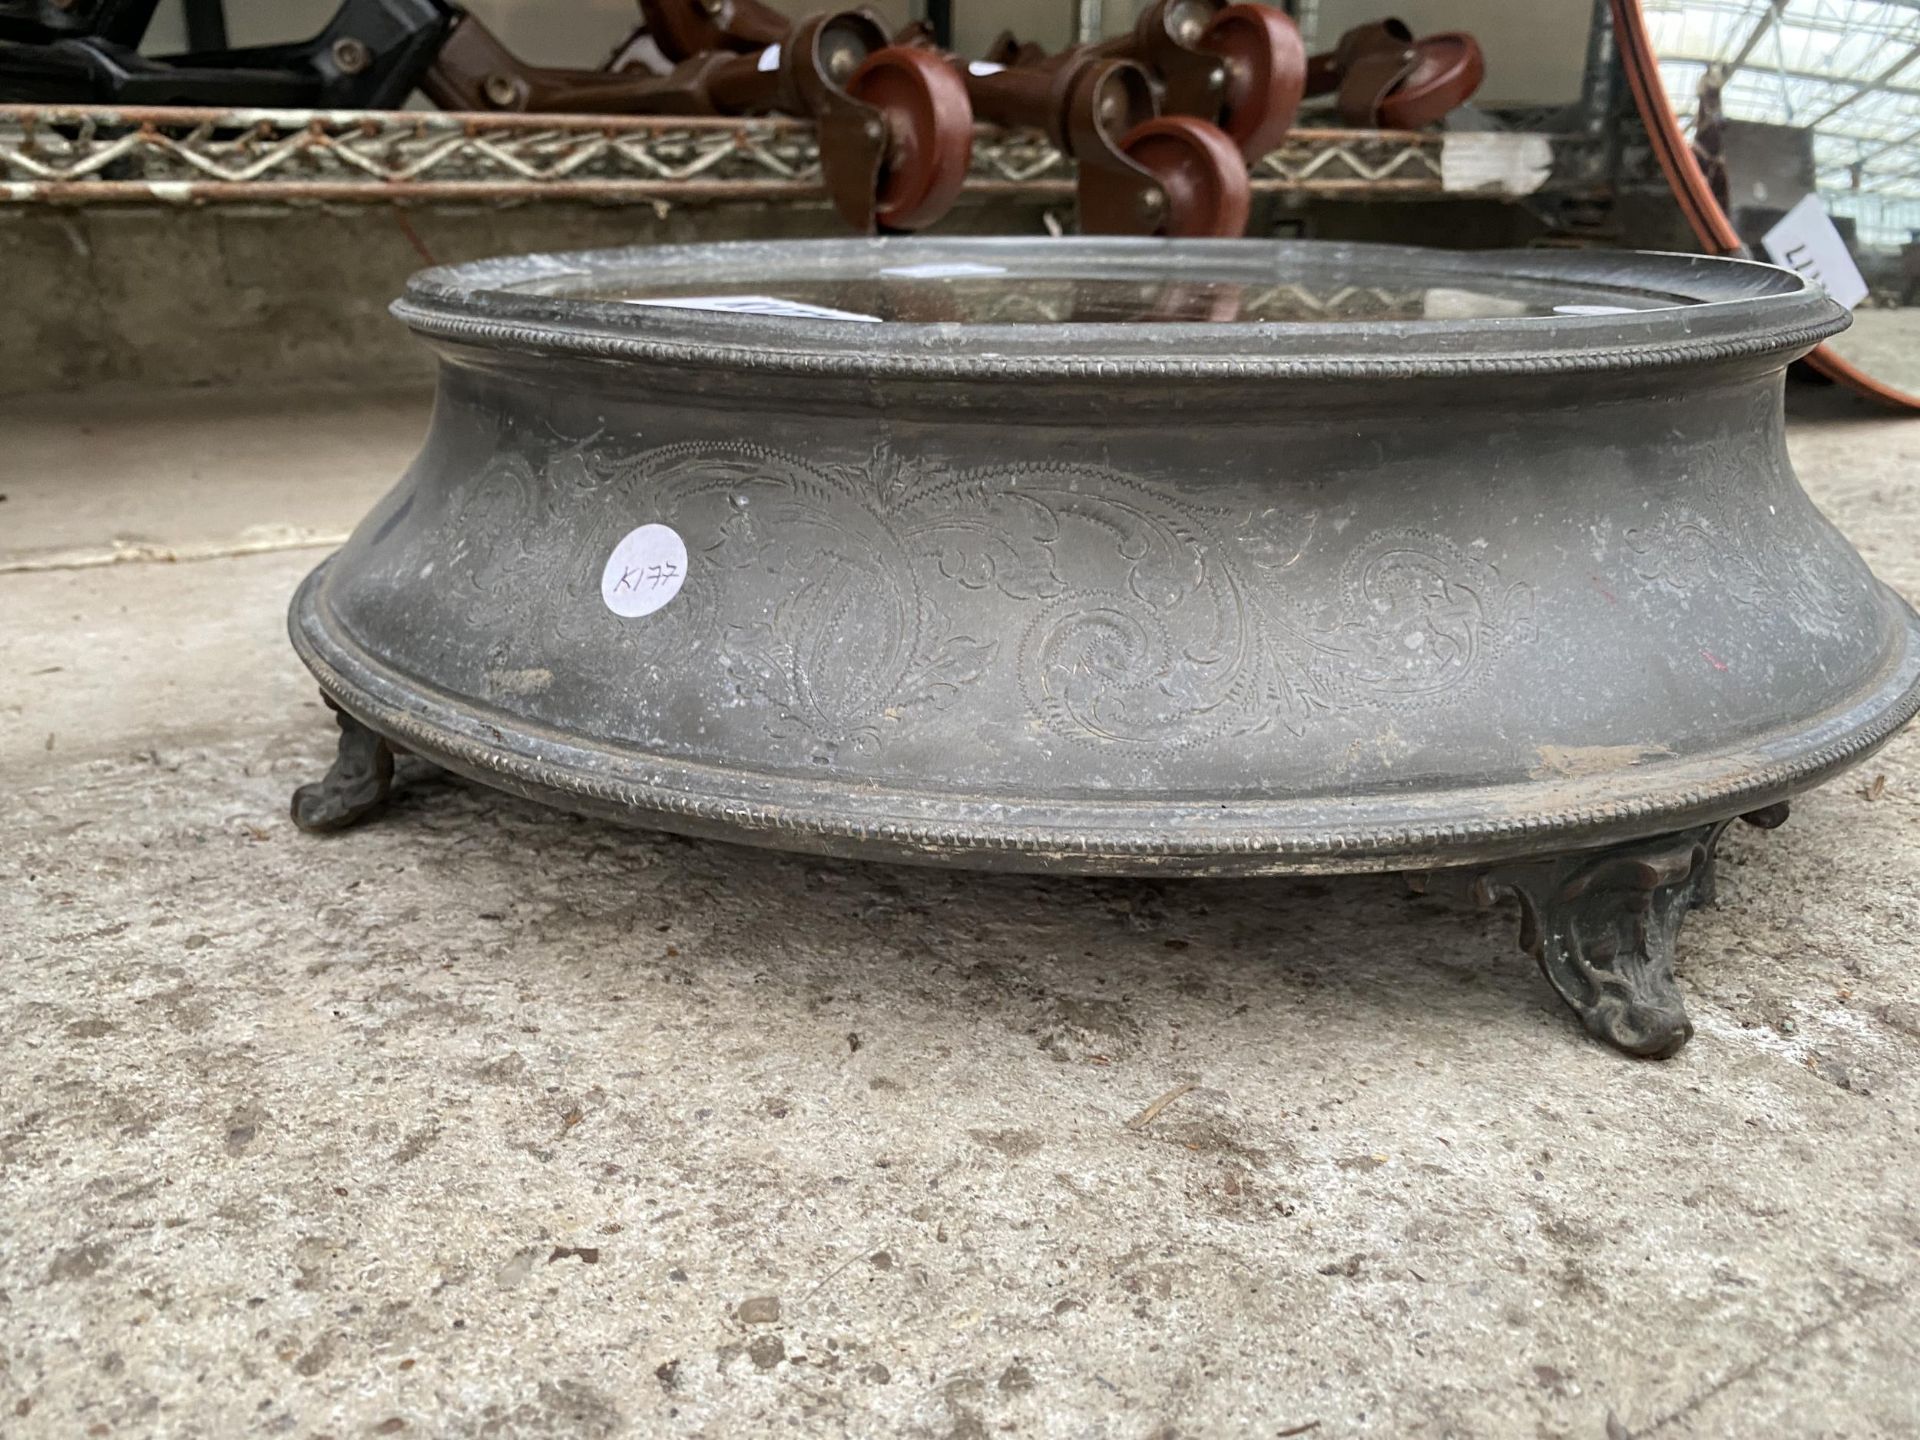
1172 595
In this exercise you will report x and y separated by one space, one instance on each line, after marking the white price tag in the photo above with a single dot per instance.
1805 241
769 58
645 571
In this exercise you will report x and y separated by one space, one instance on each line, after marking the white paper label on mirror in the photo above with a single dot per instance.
1806 241
755 305
942 270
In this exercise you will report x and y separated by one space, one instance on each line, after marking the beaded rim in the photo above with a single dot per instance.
1733 309
1165 836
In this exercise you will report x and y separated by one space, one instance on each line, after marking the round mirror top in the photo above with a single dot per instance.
994 305
973 293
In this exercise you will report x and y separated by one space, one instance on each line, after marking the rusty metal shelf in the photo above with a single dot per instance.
88 154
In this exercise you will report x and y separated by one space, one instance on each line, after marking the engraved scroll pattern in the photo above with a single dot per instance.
1743 534
1124 614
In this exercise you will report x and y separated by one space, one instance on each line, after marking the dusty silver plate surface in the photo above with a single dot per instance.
1142 556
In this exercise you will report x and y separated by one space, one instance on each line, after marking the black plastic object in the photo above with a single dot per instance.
369 57
122 21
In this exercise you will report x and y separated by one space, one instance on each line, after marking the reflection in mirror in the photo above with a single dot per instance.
963 295
1804 116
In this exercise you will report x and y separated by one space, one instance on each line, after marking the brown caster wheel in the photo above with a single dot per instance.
1265 74
929 123
1200 172
1449 70
1405 89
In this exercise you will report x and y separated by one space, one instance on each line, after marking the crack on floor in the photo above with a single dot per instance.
143 553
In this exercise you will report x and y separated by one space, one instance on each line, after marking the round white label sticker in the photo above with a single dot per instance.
645 571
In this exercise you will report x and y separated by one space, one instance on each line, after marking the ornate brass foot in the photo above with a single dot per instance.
1602 927
354 787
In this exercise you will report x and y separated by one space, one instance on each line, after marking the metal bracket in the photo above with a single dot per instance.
356 785
1602 925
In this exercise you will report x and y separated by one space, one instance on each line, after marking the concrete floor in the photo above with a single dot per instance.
1885 343
486 1121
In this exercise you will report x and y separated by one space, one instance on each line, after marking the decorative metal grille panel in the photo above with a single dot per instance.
78 154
